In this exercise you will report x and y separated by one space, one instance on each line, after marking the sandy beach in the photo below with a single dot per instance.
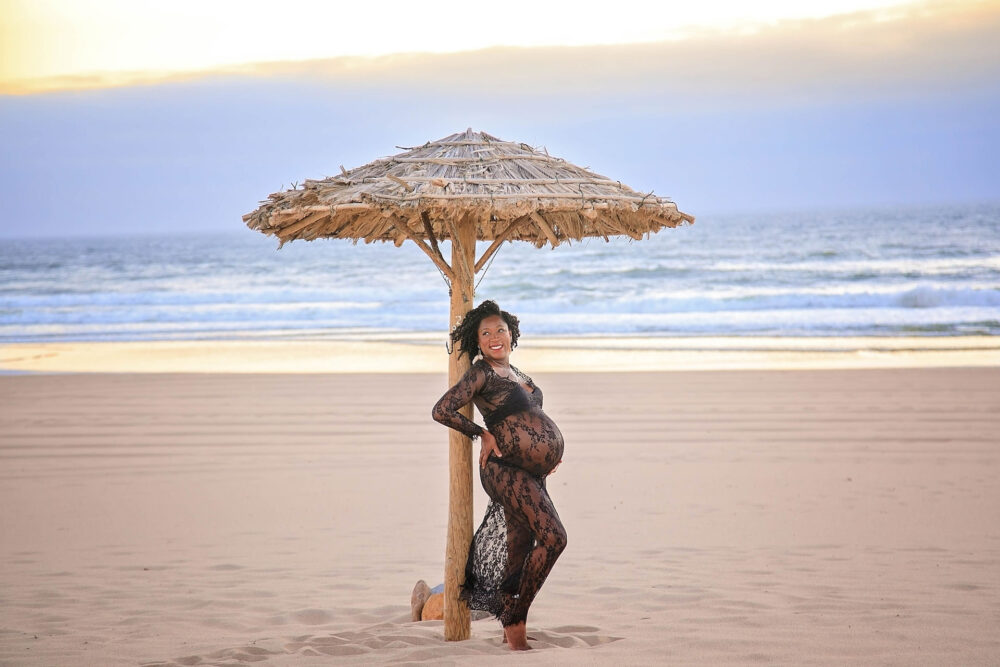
749 253
715 517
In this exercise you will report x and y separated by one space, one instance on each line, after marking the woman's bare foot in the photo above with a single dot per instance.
516 637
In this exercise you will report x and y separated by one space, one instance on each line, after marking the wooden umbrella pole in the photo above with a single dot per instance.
456 613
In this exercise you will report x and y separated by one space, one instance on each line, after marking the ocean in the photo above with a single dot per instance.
867 272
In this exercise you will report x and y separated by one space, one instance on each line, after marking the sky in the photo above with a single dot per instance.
118 40
155 117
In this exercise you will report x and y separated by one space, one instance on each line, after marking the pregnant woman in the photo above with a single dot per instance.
521 535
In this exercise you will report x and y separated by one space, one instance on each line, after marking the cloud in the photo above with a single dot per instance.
873 55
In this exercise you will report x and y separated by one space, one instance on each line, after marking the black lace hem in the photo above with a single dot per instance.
485 587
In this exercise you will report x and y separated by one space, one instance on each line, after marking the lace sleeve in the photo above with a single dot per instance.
446 410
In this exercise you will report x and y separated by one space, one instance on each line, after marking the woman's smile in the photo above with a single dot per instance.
494 339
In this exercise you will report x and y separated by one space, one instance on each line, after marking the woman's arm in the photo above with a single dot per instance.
446 410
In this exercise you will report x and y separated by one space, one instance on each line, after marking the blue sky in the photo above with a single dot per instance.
834 112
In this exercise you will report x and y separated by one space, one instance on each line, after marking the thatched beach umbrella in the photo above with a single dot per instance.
463 188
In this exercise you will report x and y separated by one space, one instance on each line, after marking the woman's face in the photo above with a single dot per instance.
494 339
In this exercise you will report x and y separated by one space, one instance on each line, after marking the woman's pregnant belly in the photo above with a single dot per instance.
530 440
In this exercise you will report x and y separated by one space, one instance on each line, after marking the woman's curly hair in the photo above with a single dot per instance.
466 334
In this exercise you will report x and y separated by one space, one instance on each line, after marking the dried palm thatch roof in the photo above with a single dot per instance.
509 190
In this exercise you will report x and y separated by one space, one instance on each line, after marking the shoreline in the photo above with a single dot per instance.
425 353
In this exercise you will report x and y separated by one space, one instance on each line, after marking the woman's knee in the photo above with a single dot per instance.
555 540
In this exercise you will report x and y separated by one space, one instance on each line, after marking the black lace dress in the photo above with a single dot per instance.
521 535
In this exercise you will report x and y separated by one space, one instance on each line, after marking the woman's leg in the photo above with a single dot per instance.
519 543
539 536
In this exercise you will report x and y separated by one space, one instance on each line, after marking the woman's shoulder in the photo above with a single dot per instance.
479 369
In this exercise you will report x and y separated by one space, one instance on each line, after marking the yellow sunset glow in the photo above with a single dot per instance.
67 39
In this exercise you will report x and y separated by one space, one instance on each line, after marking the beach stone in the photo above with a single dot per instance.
434 608
418 598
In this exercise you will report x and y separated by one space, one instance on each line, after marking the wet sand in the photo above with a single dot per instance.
425 353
